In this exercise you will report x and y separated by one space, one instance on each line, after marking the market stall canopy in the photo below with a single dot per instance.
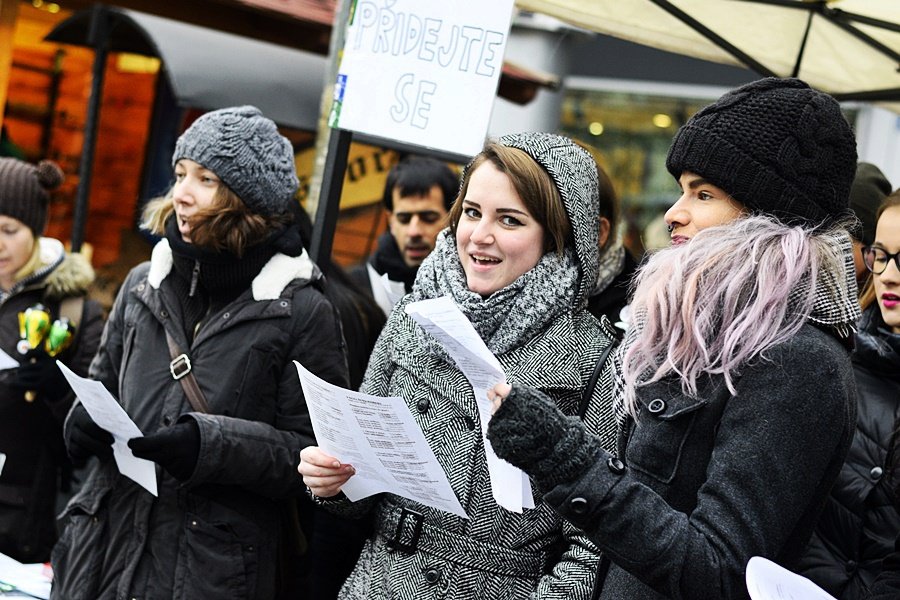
849 48
209 69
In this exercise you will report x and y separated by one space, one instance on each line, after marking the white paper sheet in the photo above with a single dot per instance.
19 580
767 580
7 361
380 438
109 414
443 320
385 291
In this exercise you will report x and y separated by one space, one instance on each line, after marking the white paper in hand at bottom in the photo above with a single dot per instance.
380 438
109 414
443 320
767 580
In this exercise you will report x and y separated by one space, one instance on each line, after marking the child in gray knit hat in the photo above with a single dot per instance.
199 350
735 398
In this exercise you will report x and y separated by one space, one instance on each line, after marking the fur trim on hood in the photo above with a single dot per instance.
267 285
72 277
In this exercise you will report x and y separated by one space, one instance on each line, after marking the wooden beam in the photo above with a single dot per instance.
9 10
240 19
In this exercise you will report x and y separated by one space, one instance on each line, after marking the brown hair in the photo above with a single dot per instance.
226 225
533 185
867 295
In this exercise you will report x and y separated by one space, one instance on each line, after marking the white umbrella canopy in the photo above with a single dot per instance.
848 48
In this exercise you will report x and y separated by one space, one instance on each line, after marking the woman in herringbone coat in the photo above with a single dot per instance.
519 260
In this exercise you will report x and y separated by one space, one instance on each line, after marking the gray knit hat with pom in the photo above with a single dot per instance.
244 149
25 190
777 146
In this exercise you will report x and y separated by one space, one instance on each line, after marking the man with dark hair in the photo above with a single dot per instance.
417 196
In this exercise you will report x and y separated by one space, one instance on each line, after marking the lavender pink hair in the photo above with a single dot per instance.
723 299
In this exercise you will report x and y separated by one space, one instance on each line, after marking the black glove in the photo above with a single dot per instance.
84 438
174 448
529 432
40 373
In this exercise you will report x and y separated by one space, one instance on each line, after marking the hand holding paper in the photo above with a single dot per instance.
109 415
442 319
380 438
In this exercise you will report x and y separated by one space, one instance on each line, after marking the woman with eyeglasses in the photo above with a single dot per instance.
861 520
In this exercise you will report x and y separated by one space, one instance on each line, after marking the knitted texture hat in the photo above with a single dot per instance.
869 189
24 190
775 145
244 149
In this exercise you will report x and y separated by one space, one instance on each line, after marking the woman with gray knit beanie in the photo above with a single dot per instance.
198 350
736 396
519 260
34 398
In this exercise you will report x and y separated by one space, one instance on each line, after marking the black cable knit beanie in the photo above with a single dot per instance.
777 146
25 191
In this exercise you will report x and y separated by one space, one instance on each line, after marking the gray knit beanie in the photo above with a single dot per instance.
777 146
25 190
869 189
244 149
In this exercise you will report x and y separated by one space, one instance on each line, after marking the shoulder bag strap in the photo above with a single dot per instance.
592 382
180 368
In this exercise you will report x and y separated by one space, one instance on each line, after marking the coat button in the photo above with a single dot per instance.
432 575
876 473
656 406
422 405
578 505
615 465
167 420
226 315
164 314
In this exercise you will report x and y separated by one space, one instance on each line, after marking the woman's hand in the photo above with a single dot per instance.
324 475
498 394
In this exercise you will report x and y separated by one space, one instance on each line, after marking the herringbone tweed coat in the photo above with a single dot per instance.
495 554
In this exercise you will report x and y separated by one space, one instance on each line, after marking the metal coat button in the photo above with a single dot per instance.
423 405
615 465
432 575
876 473
656 406
578 505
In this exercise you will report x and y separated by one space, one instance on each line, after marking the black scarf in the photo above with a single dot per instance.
206 280
388 259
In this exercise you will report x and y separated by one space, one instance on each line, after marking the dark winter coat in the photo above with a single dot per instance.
31 432
704 483
859 524
887 584
215 535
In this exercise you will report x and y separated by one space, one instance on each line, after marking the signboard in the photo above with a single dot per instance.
423 72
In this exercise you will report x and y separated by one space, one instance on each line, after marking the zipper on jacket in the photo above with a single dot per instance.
195 277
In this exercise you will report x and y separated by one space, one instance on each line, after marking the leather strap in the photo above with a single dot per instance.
188 381
592 383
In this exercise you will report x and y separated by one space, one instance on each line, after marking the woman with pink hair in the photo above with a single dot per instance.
737 401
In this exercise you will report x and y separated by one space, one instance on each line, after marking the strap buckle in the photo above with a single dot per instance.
180 366
402 540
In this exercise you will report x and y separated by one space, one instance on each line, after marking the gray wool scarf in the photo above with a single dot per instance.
509 317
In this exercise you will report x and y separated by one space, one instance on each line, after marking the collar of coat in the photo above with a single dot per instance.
268 284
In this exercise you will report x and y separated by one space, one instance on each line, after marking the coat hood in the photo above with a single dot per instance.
72 276
574 171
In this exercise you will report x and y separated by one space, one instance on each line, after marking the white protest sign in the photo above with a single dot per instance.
424 72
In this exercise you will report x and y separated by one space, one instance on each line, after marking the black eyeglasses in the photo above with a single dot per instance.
877 259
